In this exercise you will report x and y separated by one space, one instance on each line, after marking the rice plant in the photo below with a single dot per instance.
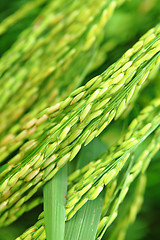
80 119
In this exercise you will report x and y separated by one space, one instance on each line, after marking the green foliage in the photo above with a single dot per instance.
80 119
54 205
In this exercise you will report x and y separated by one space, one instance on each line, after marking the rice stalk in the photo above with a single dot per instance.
138 167
87 126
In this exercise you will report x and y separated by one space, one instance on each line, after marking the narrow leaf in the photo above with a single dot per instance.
54 205
85 222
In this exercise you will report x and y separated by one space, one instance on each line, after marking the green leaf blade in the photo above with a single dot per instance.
54 205
85 222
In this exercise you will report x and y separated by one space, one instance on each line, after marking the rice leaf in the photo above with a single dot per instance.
54 205
85 222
